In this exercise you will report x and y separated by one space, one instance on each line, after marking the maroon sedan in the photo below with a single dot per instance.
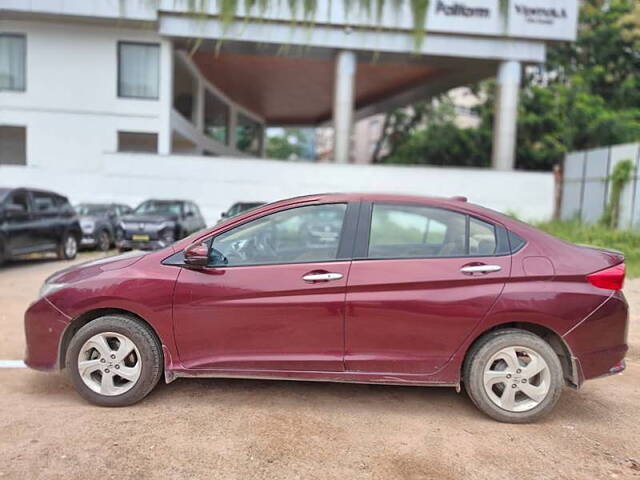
351 288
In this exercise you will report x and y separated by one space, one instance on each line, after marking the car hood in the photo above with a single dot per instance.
157 218
94 267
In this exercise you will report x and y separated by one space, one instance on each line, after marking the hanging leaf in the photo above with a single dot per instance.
504 12
309 8
419 8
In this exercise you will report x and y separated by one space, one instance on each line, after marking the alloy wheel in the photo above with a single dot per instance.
70 247
517 379
109 363
103 241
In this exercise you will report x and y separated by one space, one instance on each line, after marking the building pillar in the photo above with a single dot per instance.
506 115
343 104
166 97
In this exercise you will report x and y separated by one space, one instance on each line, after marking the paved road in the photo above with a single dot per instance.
270 430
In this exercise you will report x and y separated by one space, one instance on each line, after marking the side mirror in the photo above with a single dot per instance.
196 255
224 215
189 214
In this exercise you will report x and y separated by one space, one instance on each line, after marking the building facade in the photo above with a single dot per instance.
83 84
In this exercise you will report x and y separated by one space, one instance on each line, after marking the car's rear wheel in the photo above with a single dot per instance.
68 248
104 241
513 376
114 361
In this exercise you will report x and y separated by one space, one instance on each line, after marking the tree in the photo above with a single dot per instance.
586 95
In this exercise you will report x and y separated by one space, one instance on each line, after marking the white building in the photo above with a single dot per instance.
107 98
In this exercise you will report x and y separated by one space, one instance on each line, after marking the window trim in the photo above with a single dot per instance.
361 251
122 43
24 37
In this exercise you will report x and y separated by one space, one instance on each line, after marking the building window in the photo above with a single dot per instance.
248 135
185 88
13 52
216 118
138 70
13 145
137 142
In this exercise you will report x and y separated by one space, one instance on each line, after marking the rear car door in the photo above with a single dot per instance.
273 296
421 279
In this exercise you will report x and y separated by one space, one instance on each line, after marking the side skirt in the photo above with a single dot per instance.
314 376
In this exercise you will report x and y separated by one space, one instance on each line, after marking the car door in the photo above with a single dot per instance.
18 223
49 225
421 279
273 296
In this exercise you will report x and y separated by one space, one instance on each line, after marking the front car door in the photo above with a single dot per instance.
273 297
421 279
50 225
19 226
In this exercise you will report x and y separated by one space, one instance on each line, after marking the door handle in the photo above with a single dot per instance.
471 269
321 277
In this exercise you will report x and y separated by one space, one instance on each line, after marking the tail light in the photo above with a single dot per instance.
610 278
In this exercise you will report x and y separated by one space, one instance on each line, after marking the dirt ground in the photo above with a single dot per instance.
242 429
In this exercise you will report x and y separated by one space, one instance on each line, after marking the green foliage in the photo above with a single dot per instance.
289 145
628 242
256 8
619 178
586 95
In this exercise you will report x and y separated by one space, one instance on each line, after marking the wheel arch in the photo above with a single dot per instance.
557 343
87 317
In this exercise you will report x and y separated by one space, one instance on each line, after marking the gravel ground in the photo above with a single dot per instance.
271 429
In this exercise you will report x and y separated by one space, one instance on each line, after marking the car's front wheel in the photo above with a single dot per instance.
513 376
114 361
68 248
104 241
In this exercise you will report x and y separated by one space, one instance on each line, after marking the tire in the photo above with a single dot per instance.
68 248
103 241
496 378
142 364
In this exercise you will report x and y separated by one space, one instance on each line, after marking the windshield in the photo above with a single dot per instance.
159 207
87 209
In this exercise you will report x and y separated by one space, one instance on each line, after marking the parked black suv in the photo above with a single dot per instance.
157 223
99 223
36 221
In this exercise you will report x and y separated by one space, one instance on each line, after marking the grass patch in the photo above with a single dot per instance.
628 242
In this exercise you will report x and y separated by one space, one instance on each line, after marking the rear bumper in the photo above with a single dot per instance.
44 326
599 343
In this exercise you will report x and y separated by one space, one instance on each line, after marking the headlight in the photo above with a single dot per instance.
49 288
88 226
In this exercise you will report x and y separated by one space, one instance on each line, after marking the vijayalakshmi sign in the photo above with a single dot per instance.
539 19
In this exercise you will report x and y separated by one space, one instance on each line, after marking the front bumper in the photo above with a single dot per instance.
44 326
142 245
89 241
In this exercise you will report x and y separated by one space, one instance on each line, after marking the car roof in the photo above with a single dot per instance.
4 191
457 203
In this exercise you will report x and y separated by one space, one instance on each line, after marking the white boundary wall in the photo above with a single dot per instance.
215 183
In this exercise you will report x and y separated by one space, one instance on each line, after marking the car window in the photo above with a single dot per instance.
20 199
44 203
410 231
299 235
159 208
482 237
